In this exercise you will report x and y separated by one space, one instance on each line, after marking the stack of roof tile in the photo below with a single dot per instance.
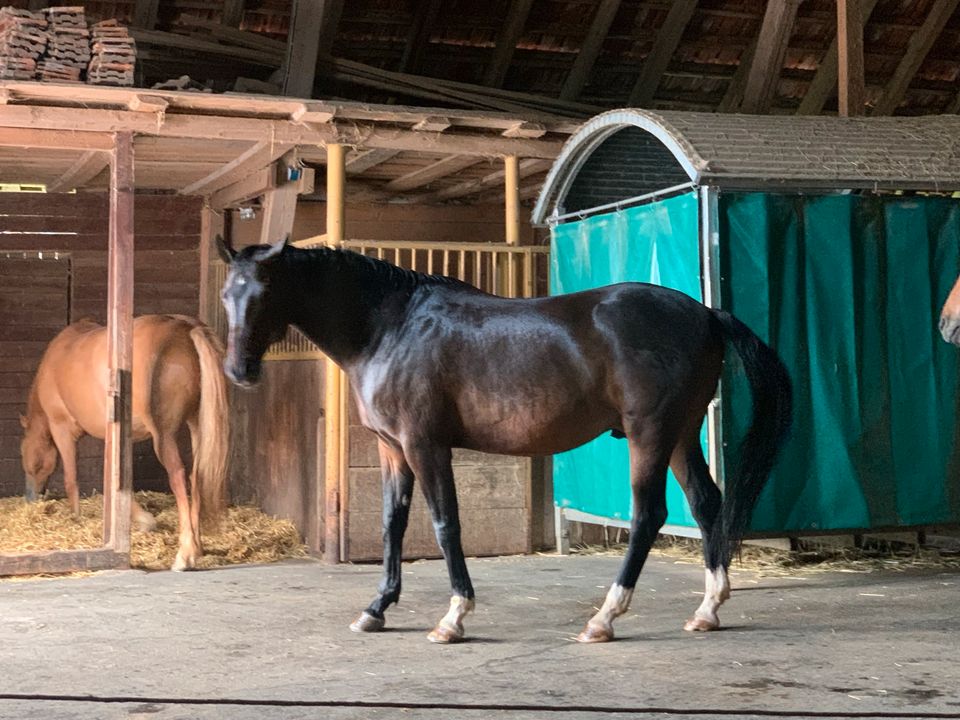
23 38
68 47
114 55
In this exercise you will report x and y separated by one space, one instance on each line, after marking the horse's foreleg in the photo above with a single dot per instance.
397 490
432 466
67 447
691 471
648 477
169 455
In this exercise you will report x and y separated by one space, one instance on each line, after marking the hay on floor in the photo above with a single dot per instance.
245 534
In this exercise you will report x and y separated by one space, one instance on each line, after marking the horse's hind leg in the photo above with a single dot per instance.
432 466
648 478
165 445
691 471
194 488
397 490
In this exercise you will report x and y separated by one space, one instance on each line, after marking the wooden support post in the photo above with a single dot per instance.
118 451
850 83
510 30
664 46
511 167
590 50
335 421
145 13
303 38
211 225
767 61
279 210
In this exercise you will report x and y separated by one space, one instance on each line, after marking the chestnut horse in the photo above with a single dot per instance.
436 364
177 380
950 316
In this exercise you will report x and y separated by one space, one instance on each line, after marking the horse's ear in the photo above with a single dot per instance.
274 250
24 422
226 252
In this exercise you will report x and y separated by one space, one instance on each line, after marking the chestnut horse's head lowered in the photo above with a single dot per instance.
38 455
251 301
950 316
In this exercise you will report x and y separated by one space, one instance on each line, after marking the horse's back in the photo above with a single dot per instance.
73 377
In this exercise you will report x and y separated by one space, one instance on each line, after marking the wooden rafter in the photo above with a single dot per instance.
767 62
665 45
590 50
920 43
28 137
257 156
850 82
145 13
233 13
424 20
426 175
85 169
471 187
506 45
734 94
364 160
303 37
824 82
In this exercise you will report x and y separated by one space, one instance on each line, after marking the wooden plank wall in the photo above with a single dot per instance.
75 226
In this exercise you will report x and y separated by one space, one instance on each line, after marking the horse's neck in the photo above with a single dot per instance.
37 419
338 299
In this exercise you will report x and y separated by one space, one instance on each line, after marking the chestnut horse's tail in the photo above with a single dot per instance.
772 416
213 445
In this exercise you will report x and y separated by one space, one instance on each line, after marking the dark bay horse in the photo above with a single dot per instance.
436 364
177 380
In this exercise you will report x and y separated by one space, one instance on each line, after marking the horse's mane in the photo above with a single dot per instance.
385 275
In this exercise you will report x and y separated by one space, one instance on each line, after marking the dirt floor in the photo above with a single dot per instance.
272 641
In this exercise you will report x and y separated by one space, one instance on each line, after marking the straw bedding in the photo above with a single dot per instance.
245 535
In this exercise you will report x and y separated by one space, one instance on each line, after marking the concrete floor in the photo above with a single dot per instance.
158 645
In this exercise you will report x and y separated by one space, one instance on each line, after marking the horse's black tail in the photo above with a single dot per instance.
772 416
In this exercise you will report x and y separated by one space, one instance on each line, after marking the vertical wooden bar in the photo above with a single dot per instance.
118 449
429 262
462 265
477 269
528 278
334 422
211 225
850 73
446 262
512 290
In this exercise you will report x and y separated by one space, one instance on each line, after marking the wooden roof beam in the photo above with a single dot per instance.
851 91
506 45
233 13
426 175
145 13
362 161
920 43
590 50
61 139
764 74
664 46
303 38
734 94
469 187
824 82
525 130
254 158
425 18
85 169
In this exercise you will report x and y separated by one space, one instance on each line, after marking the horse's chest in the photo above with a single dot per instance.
372 391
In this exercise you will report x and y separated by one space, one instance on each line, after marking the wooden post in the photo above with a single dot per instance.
118 451
850 82
511 167
211 225
334 546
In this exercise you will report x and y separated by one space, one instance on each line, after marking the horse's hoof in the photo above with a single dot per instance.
182 563
367 623
445 635
595 634
701 624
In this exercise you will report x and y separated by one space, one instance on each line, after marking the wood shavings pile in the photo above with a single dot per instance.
245 535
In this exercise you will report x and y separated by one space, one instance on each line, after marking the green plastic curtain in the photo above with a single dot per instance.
655 243
848 289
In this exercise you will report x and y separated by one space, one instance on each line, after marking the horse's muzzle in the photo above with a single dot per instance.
245 373
950 329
